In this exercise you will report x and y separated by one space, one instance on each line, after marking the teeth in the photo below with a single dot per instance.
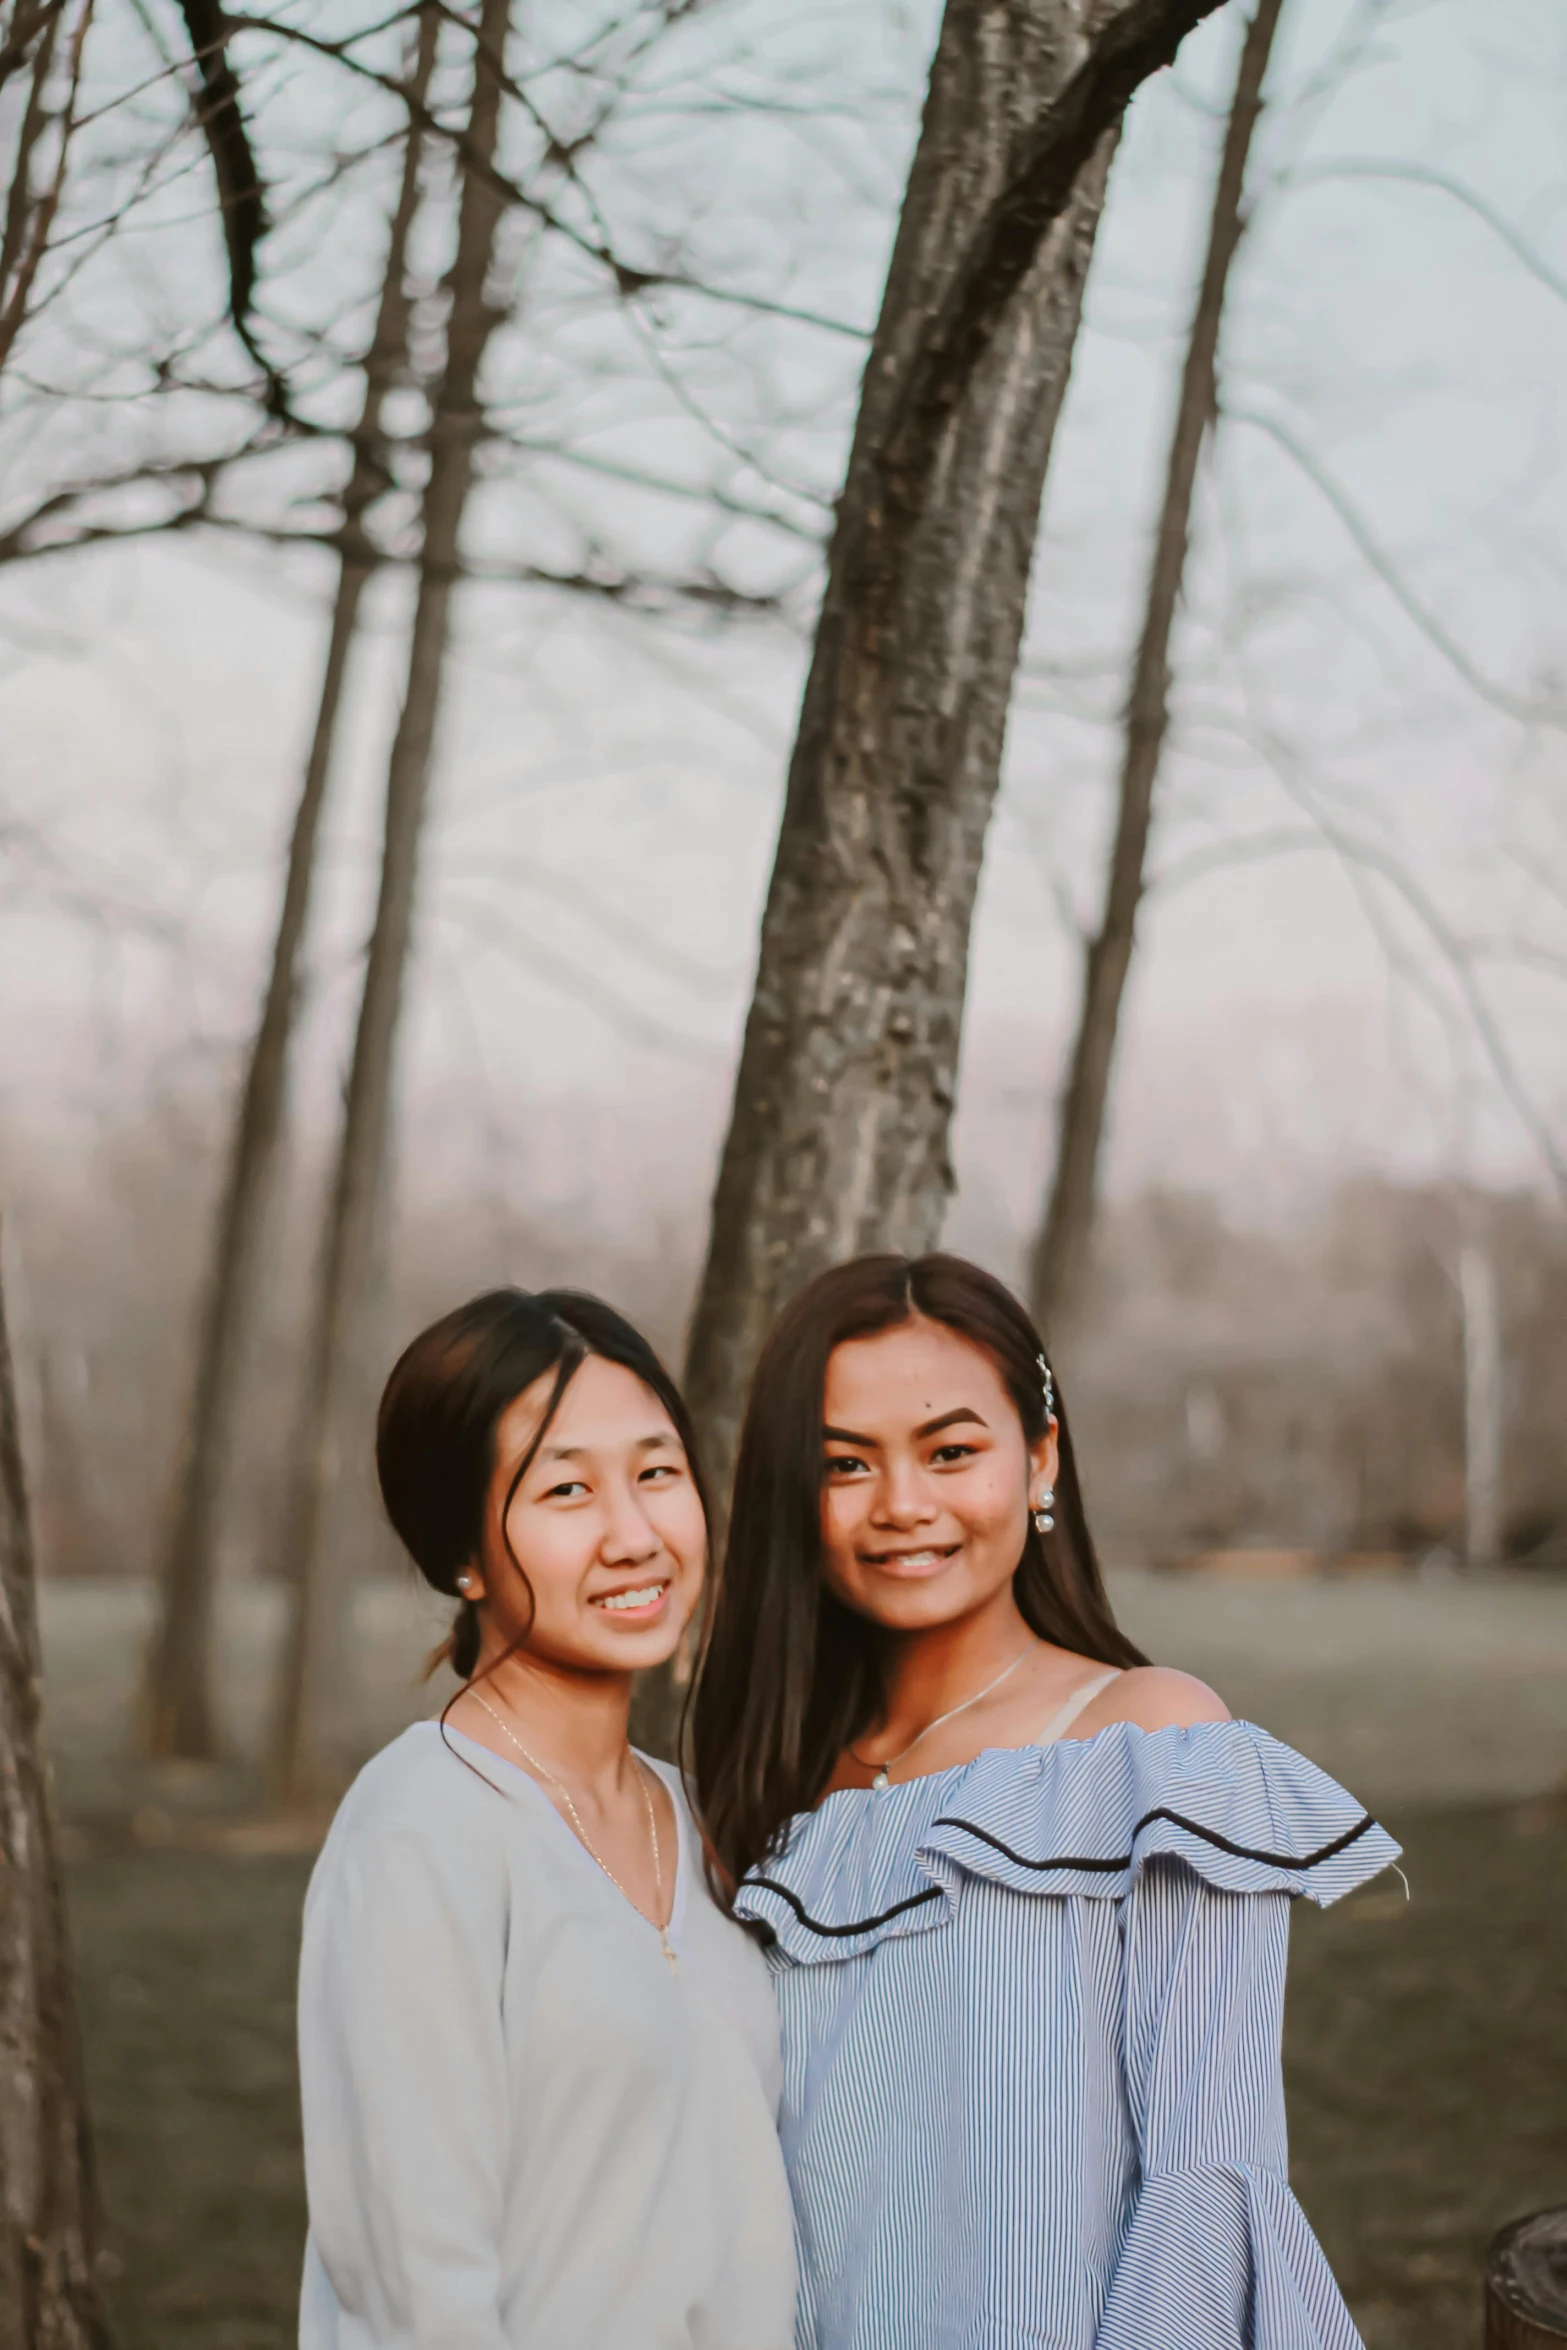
634 1598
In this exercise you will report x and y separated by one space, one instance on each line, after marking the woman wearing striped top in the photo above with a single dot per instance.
1026 1897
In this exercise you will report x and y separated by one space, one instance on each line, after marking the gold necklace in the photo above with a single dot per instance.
881 1769
584 1839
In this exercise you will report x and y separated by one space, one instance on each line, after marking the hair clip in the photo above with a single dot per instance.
1050 1390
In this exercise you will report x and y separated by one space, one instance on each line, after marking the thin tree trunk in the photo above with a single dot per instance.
32 204
178 1717
309 1756
242 199
1483 1391
838 1136
20 27
1061 1251
49 2293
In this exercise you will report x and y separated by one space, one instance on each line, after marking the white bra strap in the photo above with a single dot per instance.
1078 1702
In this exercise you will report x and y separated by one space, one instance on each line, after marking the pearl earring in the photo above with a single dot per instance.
1042 1512
463 1582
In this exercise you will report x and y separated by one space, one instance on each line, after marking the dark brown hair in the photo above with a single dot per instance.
435 1432
789 1675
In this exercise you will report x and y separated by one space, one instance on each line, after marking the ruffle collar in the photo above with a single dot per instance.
1083 1816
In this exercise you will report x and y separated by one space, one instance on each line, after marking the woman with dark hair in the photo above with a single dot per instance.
1026 1896
539 2065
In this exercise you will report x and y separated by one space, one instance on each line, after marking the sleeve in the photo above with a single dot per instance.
403 2079
1218 2254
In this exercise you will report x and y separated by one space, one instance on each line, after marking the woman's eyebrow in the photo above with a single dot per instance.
950 1420
660 1441
927 1428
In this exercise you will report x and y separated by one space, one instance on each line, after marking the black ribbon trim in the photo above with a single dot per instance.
861 1925
1108 1868
1272 1860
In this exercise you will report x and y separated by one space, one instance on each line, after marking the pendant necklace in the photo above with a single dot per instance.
882 1770
582 1835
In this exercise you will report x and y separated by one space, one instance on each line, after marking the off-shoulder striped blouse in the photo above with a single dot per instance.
1031 2014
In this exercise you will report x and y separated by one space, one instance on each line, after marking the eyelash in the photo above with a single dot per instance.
944 1456
659 1469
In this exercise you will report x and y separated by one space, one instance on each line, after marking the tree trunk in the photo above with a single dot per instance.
1061 1252
1483 1393
309 1745
178 1714
838 1136
49 2293
46 42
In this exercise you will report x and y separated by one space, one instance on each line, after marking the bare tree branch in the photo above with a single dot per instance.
1500 697
242 203
1219 856
610 921
1422 175
1372 856
29 20
30 213
26 539
629 279
510 937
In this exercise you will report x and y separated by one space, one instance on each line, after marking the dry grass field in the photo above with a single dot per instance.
1426 2041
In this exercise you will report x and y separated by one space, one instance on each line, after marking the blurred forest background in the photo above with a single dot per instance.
1341 1050
422 435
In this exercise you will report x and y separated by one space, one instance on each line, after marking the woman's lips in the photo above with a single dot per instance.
911 1565
638 1605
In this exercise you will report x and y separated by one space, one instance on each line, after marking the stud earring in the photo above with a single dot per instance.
463 1582
1043 1508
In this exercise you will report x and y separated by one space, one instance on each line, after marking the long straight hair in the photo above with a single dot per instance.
789 1675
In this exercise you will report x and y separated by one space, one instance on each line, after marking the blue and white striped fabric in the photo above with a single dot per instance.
1031 2014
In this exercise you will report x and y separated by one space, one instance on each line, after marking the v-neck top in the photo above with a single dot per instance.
1031 2011
523 2129
484 1758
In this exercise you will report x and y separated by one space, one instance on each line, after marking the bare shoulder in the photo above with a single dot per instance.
1155 1697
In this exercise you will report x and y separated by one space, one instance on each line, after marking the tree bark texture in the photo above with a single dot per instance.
1061 1252
309 1756
49 2292
178 1717
838 1137
46 42
1526 2284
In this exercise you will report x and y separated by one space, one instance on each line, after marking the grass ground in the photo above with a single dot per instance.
1426 2052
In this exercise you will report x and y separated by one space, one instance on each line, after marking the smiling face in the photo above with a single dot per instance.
927 1478
606 1524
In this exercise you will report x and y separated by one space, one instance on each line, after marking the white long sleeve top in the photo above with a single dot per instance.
523 2130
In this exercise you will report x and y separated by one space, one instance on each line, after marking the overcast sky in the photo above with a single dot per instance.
609 788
